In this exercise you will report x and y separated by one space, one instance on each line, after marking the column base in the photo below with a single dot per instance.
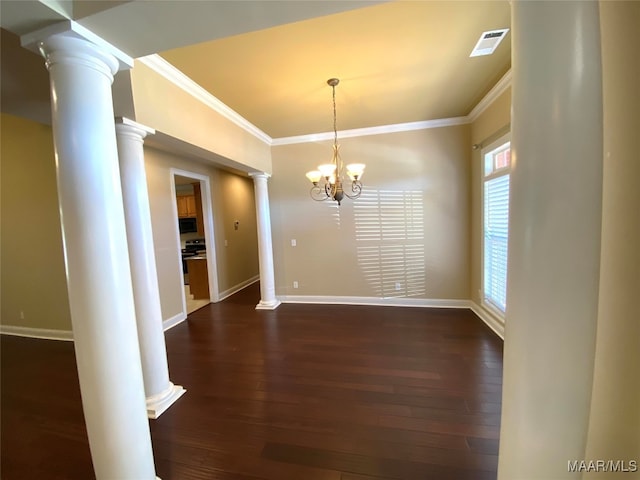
272 305
157 404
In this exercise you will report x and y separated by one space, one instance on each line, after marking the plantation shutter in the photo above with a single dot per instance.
496 233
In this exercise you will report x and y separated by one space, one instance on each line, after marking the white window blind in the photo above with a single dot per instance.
496 225
496 234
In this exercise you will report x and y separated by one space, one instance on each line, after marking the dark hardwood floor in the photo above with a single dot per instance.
305 392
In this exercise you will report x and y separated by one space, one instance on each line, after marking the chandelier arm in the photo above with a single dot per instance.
318 194
356 189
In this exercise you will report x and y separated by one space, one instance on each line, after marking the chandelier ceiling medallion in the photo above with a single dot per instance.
328 178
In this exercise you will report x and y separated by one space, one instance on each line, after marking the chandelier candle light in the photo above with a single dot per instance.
327 180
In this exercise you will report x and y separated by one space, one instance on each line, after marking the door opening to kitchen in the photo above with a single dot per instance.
192 228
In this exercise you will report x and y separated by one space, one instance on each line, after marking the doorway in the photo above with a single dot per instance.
195 239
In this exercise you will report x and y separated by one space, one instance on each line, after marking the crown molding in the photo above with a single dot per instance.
497 90
363 132
171 73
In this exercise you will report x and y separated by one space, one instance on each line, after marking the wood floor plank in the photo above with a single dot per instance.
483 445
365 465
350 476
302 392
455 428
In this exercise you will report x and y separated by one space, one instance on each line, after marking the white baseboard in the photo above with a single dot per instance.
173 321
374 301
44 333
238 287
67 335
494 323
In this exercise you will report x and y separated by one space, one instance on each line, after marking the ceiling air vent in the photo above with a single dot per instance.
488 42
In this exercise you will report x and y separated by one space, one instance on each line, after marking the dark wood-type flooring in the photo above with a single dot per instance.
305 392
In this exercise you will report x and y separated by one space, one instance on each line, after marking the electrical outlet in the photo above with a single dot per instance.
295 284
398 286
226 243
21 315
293 242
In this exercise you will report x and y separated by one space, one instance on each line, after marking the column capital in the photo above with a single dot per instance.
127 126
72 37
263 175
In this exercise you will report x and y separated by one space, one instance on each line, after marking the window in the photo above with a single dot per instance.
497 167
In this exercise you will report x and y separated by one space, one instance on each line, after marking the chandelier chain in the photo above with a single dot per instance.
335 117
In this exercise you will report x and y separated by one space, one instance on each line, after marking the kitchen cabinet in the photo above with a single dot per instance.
190 205
186 206
198 277
198 205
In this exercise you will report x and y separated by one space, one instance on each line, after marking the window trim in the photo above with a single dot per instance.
497 143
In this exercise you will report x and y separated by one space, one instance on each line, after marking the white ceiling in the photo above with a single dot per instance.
398 62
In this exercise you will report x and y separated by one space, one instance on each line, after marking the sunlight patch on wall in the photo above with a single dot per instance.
389 229
334 208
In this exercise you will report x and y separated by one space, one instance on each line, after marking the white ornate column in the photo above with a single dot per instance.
554 238
268 300
160 392
81 68
614 426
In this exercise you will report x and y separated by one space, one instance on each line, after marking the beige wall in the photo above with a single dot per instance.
232 199
179 115
33 274
495 119
490 125
411 225
614 427
238 257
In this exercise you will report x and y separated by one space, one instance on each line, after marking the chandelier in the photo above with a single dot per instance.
328 178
